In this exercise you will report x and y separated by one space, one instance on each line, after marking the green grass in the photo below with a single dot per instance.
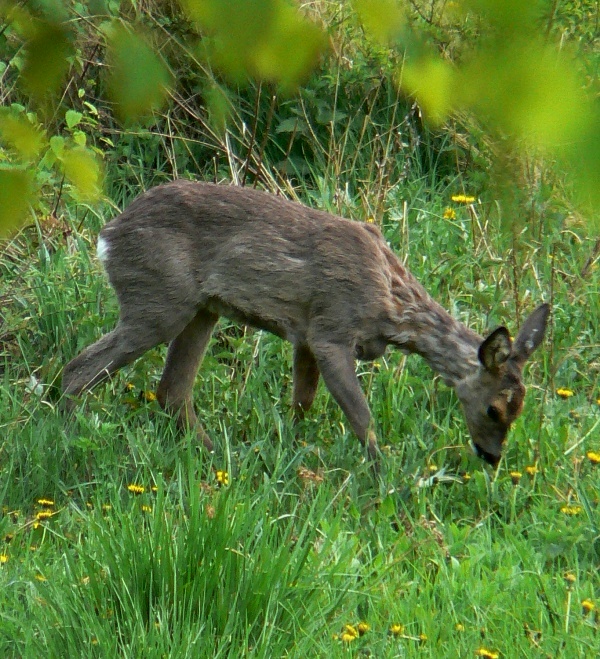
303 540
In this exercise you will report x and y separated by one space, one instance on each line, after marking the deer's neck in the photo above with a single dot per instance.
422 326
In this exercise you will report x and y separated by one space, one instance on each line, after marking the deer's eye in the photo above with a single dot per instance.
493 413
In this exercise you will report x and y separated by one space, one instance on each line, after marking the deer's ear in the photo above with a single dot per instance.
496 349
531 334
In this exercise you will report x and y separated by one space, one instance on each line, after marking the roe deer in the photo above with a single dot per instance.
185 253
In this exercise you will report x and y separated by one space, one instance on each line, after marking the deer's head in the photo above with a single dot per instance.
492 397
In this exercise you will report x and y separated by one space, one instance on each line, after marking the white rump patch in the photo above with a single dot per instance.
102 249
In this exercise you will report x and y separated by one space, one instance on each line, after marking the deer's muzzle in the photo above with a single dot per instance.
490 458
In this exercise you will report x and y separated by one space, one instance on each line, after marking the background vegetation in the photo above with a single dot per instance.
120 537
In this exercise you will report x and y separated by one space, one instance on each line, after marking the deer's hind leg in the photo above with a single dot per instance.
306 380
102 359
183 359
145 321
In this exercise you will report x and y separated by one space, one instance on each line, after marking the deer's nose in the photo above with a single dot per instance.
490 458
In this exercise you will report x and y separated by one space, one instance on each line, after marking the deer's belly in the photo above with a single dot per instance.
276 326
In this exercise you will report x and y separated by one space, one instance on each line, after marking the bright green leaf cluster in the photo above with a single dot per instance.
264 39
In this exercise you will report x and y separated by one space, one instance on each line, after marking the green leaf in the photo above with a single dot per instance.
383 20
73 118
388 506
79 137
82 169
46 59
57 144
138 79
218 106
265 39
16 193
19 133
430 79
527 90
291 125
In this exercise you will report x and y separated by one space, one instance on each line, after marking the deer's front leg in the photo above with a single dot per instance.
336 363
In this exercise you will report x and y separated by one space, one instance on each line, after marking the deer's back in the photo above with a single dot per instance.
252 256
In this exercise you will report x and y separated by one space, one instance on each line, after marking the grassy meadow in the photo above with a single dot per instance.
121 538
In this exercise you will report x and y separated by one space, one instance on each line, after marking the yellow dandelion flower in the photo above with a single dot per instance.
449 214
146 509
396 630
351 629
422 638
597 401
588 606
371 220
106 507
564 393
363 628
466 477
222 477
43 514
154 488
150 396
569 577
129 386
488 654
459 627
47 503
532 470
515 477
136 489
3 559
40 577
571 510
463 199
348 638
432 467
593 457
